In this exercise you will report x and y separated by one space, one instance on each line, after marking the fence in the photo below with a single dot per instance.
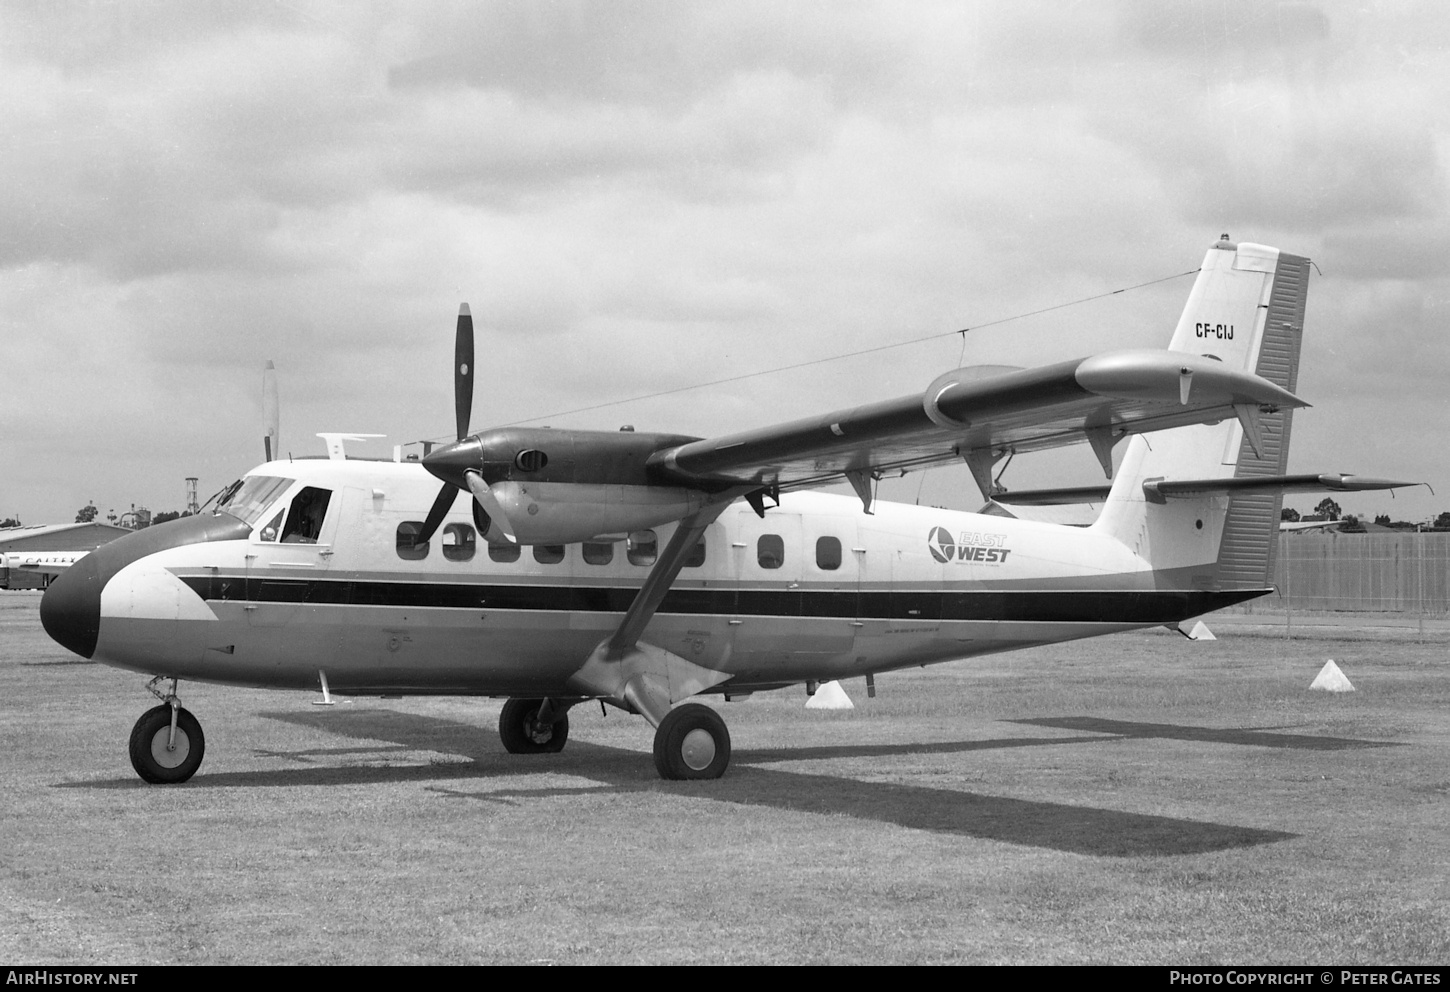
1401 572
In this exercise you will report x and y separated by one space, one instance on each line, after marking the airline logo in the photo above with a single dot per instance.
986 549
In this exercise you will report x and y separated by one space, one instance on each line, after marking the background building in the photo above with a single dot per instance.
18 544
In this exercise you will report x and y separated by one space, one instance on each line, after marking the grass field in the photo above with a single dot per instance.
1134 799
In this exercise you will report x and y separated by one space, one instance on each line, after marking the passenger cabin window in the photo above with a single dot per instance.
642 547
598 553
548 554
770 551
458 542
304 520
696 557
504 552
408 532
828 553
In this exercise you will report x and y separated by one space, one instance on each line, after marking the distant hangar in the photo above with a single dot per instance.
31 556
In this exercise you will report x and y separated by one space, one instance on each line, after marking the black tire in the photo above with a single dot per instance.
521 735
692 742
149 755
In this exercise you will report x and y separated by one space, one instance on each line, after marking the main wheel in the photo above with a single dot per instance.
150 756
692 742
523 734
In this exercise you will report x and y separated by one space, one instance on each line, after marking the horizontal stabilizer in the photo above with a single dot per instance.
1158 490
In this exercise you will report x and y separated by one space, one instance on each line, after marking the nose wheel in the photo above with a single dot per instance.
163 752
692 742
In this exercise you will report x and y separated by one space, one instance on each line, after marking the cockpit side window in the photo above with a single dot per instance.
273 528
304 520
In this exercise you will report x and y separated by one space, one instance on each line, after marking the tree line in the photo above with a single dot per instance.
1328 509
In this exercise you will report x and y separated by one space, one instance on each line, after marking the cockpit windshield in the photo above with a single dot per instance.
247 498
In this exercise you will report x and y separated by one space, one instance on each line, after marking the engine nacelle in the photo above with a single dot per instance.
570 512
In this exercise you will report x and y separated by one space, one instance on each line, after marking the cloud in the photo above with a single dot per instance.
1398 248
1230 28
653 52
634 196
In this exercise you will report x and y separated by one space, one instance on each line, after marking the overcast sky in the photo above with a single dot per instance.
639 196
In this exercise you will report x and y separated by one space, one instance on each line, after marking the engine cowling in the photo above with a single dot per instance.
565 486
570 512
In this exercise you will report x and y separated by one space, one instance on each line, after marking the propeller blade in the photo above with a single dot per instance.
270 440
463 370
440 509
491 506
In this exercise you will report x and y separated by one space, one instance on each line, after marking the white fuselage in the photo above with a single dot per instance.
910 585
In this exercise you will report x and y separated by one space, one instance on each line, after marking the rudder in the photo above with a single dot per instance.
1250 542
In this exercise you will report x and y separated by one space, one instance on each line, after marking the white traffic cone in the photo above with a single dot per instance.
1331 679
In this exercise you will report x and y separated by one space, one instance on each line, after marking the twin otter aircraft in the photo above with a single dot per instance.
643 570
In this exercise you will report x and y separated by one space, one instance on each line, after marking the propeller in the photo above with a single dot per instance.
462 408
489 505
453 457
271 444
463 371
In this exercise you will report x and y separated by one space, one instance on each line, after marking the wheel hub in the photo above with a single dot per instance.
698 749
170 757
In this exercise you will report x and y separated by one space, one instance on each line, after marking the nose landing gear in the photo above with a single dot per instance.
167 744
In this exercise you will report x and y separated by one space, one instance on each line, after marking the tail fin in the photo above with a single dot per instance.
1246 309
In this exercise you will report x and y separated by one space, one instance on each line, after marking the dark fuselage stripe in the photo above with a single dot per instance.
1096 606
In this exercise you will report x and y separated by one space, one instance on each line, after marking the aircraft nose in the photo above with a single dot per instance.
70 610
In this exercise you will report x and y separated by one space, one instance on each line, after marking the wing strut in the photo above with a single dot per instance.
639 676
661 577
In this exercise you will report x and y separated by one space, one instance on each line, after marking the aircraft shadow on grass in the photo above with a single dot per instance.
1058 826
1211 735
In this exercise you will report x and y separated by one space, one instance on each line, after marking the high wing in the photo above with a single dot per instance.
1232 359
980 415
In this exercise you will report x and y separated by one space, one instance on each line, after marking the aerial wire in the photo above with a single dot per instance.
853 354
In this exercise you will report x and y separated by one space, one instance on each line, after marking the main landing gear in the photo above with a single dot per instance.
167 744
533 726
691 742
